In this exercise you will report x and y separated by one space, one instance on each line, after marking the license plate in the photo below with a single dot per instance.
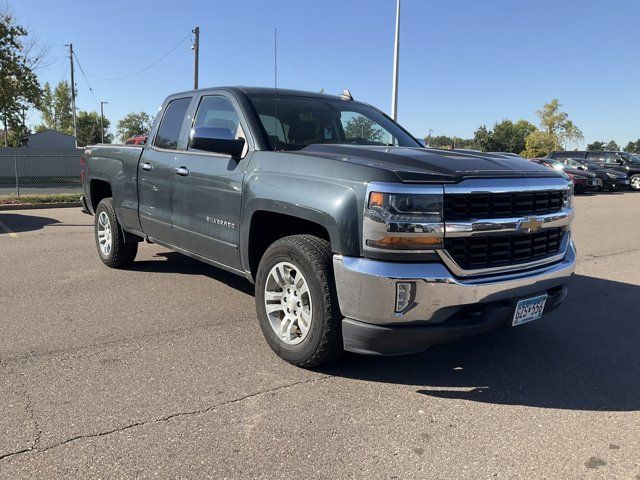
529 309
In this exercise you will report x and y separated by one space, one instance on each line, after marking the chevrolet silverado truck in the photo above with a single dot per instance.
357 238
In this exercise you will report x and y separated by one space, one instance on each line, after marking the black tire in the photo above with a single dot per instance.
314 258
121 254
635 180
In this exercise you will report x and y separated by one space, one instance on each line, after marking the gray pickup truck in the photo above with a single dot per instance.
357 238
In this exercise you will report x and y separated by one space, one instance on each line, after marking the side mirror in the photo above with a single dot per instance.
619 161
216 140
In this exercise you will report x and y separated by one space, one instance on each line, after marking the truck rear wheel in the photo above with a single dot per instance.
113 250
296 301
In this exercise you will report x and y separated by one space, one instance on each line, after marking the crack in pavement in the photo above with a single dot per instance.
29 409
166 418
80 349
588 257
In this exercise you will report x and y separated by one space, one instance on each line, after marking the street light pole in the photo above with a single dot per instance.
396 59
196 53
102 121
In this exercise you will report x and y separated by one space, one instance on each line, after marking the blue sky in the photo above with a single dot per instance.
463 63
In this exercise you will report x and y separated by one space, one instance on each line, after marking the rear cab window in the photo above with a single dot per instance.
171 124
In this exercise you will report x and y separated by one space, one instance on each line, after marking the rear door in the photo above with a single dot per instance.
207 196
156 171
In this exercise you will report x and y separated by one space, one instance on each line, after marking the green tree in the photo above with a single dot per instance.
596 146
483 138
539 144
633 147
134 124
570 134
510 137
505 136
45 106
440 141
19 87
89 129
613 146
56 108
556 124
363 127
444 141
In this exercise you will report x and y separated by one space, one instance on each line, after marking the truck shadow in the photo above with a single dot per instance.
19 223
583 356
177 263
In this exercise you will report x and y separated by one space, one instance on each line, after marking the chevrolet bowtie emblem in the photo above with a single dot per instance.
530 225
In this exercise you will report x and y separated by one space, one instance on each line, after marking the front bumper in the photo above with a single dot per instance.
443 307
619 183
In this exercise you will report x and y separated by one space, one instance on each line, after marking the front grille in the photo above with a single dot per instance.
496 251
501 205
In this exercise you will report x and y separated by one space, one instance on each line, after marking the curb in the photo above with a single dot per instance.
37 206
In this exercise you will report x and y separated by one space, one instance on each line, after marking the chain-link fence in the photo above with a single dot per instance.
27 171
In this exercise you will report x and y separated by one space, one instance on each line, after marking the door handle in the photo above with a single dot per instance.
182 171
146 166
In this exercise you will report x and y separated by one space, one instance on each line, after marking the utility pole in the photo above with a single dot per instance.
396 59
429 137
73 95
102 121
196 52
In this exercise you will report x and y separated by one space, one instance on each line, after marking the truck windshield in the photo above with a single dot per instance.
629 157
300 121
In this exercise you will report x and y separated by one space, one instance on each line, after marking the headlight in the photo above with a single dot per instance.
567 198
615 176
407 219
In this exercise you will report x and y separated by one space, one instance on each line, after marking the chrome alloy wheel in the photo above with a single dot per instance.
287 301
105 239
635 183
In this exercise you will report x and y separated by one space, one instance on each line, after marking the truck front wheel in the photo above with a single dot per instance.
296 301
113 250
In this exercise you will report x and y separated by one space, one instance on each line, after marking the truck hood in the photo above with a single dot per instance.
429 165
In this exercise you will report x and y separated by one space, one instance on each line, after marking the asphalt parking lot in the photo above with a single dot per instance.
162 372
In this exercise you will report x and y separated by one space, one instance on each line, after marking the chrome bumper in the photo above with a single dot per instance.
367 288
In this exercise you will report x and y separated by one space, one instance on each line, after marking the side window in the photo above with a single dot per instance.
217 113
171 124
596 156
610 157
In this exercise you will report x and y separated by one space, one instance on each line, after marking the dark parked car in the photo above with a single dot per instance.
583 181
624 162
611 179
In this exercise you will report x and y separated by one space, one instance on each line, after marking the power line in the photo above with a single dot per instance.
85 77
173 49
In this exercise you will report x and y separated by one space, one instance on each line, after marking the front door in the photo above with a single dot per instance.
156 173
207 193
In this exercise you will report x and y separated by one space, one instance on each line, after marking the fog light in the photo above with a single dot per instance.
404 295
